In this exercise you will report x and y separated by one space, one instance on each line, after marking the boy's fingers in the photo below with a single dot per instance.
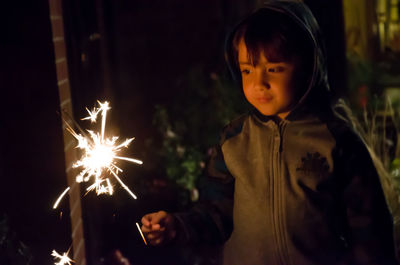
158 217
153 218
145 229
152 228
155 227
154 235
146 220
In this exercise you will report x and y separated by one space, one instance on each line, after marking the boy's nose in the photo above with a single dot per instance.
263 81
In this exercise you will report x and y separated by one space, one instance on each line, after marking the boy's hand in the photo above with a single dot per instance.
158 227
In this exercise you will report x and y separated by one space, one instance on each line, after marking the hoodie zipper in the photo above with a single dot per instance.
278 217
273 192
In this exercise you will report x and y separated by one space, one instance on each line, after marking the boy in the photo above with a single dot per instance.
290 183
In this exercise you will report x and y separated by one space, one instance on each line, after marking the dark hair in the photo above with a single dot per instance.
277 35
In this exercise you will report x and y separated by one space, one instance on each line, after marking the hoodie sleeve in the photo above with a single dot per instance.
369 222
210 220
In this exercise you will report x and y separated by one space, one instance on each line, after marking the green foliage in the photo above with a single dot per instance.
191 123
367 80
359 72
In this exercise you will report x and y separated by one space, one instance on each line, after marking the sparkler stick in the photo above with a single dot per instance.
140 231
60 197
63 259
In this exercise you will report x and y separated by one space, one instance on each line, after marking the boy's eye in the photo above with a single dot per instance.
277 69
246 71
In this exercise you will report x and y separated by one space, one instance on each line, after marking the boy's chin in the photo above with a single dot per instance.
272 113
267 112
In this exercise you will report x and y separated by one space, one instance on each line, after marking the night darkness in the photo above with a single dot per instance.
136 54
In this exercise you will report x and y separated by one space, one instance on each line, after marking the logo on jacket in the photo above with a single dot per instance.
314 164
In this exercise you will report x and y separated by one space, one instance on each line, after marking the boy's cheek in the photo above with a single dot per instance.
247 95
248 88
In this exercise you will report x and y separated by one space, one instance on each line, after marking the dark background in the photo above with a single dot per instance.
145 52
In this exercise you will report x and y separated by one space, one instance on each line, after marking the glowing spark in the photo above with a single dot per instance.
99 154
130 159
63 260
104 107
110 189
140 231
123 185
92 115
60 197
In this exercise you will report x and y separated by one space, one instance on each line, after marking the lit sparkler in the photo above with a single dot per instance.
141 233
63 259
99 154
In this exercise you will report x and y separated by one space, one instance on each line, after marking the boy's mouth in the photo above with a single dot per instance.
264 99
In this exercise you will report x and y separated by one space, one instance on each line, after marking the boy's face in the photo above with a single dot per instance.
268 86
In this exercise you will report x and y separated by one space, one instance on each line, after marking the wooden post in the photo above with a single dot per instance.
78 242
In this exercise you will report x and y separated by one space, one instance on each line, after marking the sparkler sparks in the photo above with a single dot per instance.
59 198
99 154
63 260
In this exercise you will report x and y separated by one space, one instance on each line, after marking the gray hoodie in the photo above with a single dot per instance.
299 191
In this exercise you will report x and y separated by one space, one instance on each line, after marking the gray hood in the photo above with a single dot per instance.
318 92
